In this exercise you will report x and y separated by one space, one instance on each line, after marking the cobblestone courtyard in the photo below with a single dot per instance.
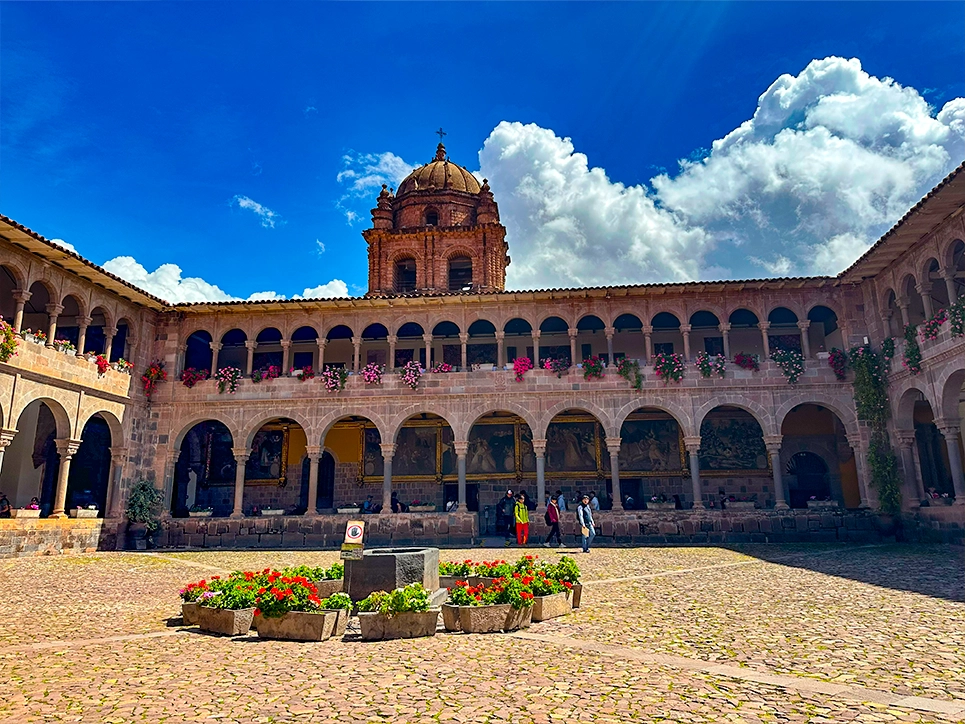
760 634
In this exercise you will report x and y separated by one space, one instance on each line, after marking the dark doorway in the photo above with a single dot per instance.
451 492
90 468
810 479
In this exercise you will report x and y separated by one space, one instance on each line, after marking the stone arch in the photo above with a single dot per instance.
947 254
904 406
551 315
264 418
184 427
833 306
924 268
114 424
754 409
950 386
674 310
78 299
465 423
331 328
714 309
200 459
61 418
845 414
327 422
677 412
782 312
521 318
399 418
436 319
615 317
17 274
414 335
601 415
459 251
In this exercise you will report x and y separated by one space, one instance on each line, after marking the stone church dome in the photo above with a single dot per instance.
440 174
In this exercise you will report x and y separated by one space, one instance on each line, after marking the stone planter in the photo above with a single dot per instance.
552 606
189 613
486 581
348 511
384 626
822 503
490 619
450 617
940 502
662 506
341 620
200 513
83 513
24 513
739 504
328 587
298 626
273 511
575 594
450 581
136 536
422 508
225 622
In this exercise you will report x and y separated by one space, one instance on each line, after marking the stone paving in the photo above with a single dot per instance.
683 634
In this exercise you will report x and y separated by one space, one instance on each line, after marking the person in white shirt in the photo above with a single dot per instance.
594 501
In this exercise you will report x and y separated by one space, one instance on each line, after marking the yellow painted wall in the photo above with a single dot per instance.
344 444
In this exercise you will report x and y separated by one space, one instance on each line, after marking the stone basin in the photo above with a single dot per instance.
385 569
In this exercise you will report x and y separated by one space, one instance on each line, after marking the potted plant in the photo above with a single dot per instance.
593 368
230 610
566 571
521 365
8 342
629 369
89 512
28 511
506 605
488 571
328 581
349 508
549 596
341 605
660 502
740 504
200 511
190 597
450 572
143 513
751 362
417 506
289 608
813 502
191 376
272 511
559 366
402 614
64 345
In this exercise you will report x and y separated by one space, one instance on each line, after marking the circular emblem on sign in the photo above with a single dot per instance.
354 532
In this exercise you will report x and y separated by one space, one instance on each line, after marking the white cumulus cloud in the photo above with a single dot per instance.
363 174
63 244
269 219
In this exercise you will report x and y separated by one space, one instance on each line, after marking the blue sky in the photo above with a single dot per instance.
216 137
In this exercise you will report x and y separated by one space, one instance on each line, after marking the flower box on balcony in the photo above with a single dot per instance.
740 504
83 513
666 505
24 513
200 513
273 511
422 508
346 510
822 503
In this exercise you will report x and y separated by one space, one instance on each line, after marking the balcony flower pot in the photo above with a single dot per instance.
341 620
940 502
409 625
273 511
83 513
490 619
224 621
189 613
24 513
422 508
662 506
739 504
552 606
328 587
348 510
575 594
200 513
822 503
298 626
450 617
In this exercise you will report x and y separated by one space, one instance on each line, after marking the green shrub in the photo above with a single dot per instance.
144 505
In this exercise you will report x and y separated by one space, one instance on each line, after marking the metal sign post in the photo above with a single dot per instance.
352 546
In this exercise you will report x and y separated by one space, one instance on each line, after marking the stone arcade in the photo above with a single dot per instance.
437 264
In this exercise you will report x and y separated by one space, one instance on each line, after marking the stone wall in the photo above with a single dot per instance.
29 537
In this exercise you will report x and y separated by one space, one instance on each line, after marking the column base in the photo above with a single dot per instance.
462 508
236 516
959 501
782 506
57 516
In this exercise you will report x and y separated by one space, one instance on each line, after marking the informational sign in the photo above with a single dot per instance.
352 545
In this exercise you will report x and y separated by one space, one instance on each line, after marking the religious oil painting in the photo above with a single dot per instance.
650 446
415 451
732 444
571 446
372 463
492 449
269 457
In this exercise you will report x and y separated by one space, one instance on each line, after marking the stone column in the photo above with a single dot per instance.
388 450
241 455
948 276
109 334
573 332
886 325
215 348
725 331
500 350
950 431
54 311
321 354
902 303
536 348
314 453
462 448
924 289
648 342
6 437
685 331
693 448
286 347
118 458
613 447
167 481
805 341
390 363
249 365
609 332
764 326
914 490
82 324
356 354
21 296
427 338
179 361
773 445
539 449
464 359
854 441
66 448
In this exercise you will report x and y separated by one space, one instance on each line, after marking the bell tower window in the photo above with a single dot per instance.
405 275
432 217
460 274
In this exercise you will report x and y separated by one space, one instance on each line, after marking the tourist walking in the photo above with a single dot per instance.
560 501
552 519
522 521
584 518
504 515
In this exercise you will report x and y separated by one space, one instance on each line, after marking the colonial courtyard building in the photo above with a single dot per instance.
308 430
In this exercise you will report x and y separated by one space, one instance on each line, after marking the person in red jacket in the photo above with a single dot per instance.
552 519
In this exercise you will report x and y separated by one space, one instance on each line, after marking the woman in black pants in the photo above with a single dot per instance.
553 521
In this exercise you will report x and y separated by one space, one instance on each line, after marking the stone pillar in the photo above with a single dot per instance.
356 354
500 350
241 455
924 289
464 359
286 347
864 488
805 341
693 448
948 276
539 449
914 490
427 338
215 348
179 361
314 453
725 331
54 311
609 332
321 354
388 450
536 348
462 448
902 303
167 481
886 325
6 437
764 326
950 431
390 363
109 334
685 331
66 448
82 324
573 332
249 364
613 447
773 445
21 296
118 458
648 342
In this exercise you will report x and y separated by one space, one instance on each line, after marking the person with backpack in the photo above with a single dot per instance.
584 518
504 515
552 518
521 515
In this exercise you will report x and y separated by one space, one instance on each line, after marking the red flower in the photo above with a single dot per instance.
257 611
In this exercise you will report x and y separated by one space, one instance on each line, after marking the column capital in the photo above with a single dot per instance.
906 438
110 332
427 338
314 452
393 339
539 447
901 302
215 346
21 295
535 334
321 343
613 445
573 332
461 447
6 437
609 331
943 271
948 428
463 337
924 287
251 344
685 328
773 443
54 309
182 348
172 454
356 341
286 343
764 326
119 454
388 450
854 439
500 336
724 327
84 321
241 453
67 447
647 329
803 324
692 443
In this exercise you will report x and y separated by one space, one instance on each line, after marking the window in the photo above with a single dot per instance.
714 345
405 275
663 348
586 350
432 218
460 274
